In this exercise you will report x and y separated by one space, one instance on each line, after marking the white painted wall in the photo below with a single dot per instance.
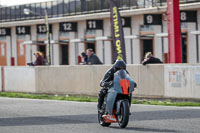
158 43
72 50
99 45
14 44
107 44
19 79
34 38
81 34
192 52
55 47
28 49
127 45
8 50
136 22
165 30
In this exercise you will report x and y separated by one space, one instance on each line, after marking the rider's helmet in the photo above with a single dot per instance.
119 64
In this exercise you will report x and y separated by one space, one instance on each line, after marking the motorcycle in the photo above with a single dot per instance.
117 102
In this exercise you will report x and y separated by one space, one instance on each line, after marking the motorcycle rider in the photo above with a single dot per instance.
108 80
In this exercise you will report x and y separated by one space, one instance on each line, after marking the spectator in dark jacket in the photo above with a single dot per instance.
39 59
149 59
85 58
92 58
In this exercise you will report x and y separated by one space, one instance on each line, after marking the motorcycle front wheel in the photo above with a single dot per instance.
101 120
123 116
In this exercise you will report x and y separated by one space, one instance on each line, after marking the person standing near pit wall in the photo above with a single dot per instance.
39 59
85 58
92 58
149 59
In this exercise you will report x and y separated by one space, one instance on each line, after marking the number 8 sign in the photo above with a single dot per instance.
188 16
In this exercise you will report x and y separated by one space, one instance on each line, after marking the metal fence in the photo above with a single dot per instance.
61 8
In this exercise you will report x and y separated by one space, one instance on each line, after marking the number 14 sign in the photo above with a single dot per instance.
23 30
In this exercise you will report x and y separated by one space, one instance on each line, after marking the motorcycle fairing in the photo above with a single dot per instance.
116 89
112 94
110 118
125 85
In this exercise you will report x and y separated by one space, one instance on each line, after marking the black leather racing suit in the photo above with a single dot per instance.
105 84
109 76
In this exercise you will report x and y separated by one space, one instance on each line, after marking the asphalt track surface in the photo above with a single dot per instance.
48 116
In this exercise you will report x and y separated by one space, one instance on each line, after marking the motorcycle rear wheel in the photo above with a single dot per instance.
123 117
101 120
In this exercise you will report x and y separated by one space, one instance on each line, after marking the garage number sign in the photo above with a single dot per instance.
5 32
41 29
152 19
188 16
68 27
94 24
23 30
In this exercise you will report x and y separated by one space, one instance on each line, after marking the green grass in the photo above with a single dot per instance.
165 103
49 97
93 99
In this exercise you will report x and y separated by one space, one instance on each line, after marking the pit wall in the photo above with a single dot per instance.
182 81
19 79
169 80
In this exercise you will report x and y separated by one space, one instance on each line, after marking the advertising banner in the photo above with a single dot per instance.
117 32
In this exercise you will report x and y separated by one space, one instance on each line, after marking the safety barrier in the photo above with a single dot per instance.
182 81
170 80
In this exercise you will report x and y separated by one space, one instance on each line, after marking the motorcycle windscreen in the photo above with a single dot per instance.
122 79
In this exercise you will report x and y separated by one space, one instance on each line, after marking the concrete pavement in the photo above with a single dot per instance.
48 116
